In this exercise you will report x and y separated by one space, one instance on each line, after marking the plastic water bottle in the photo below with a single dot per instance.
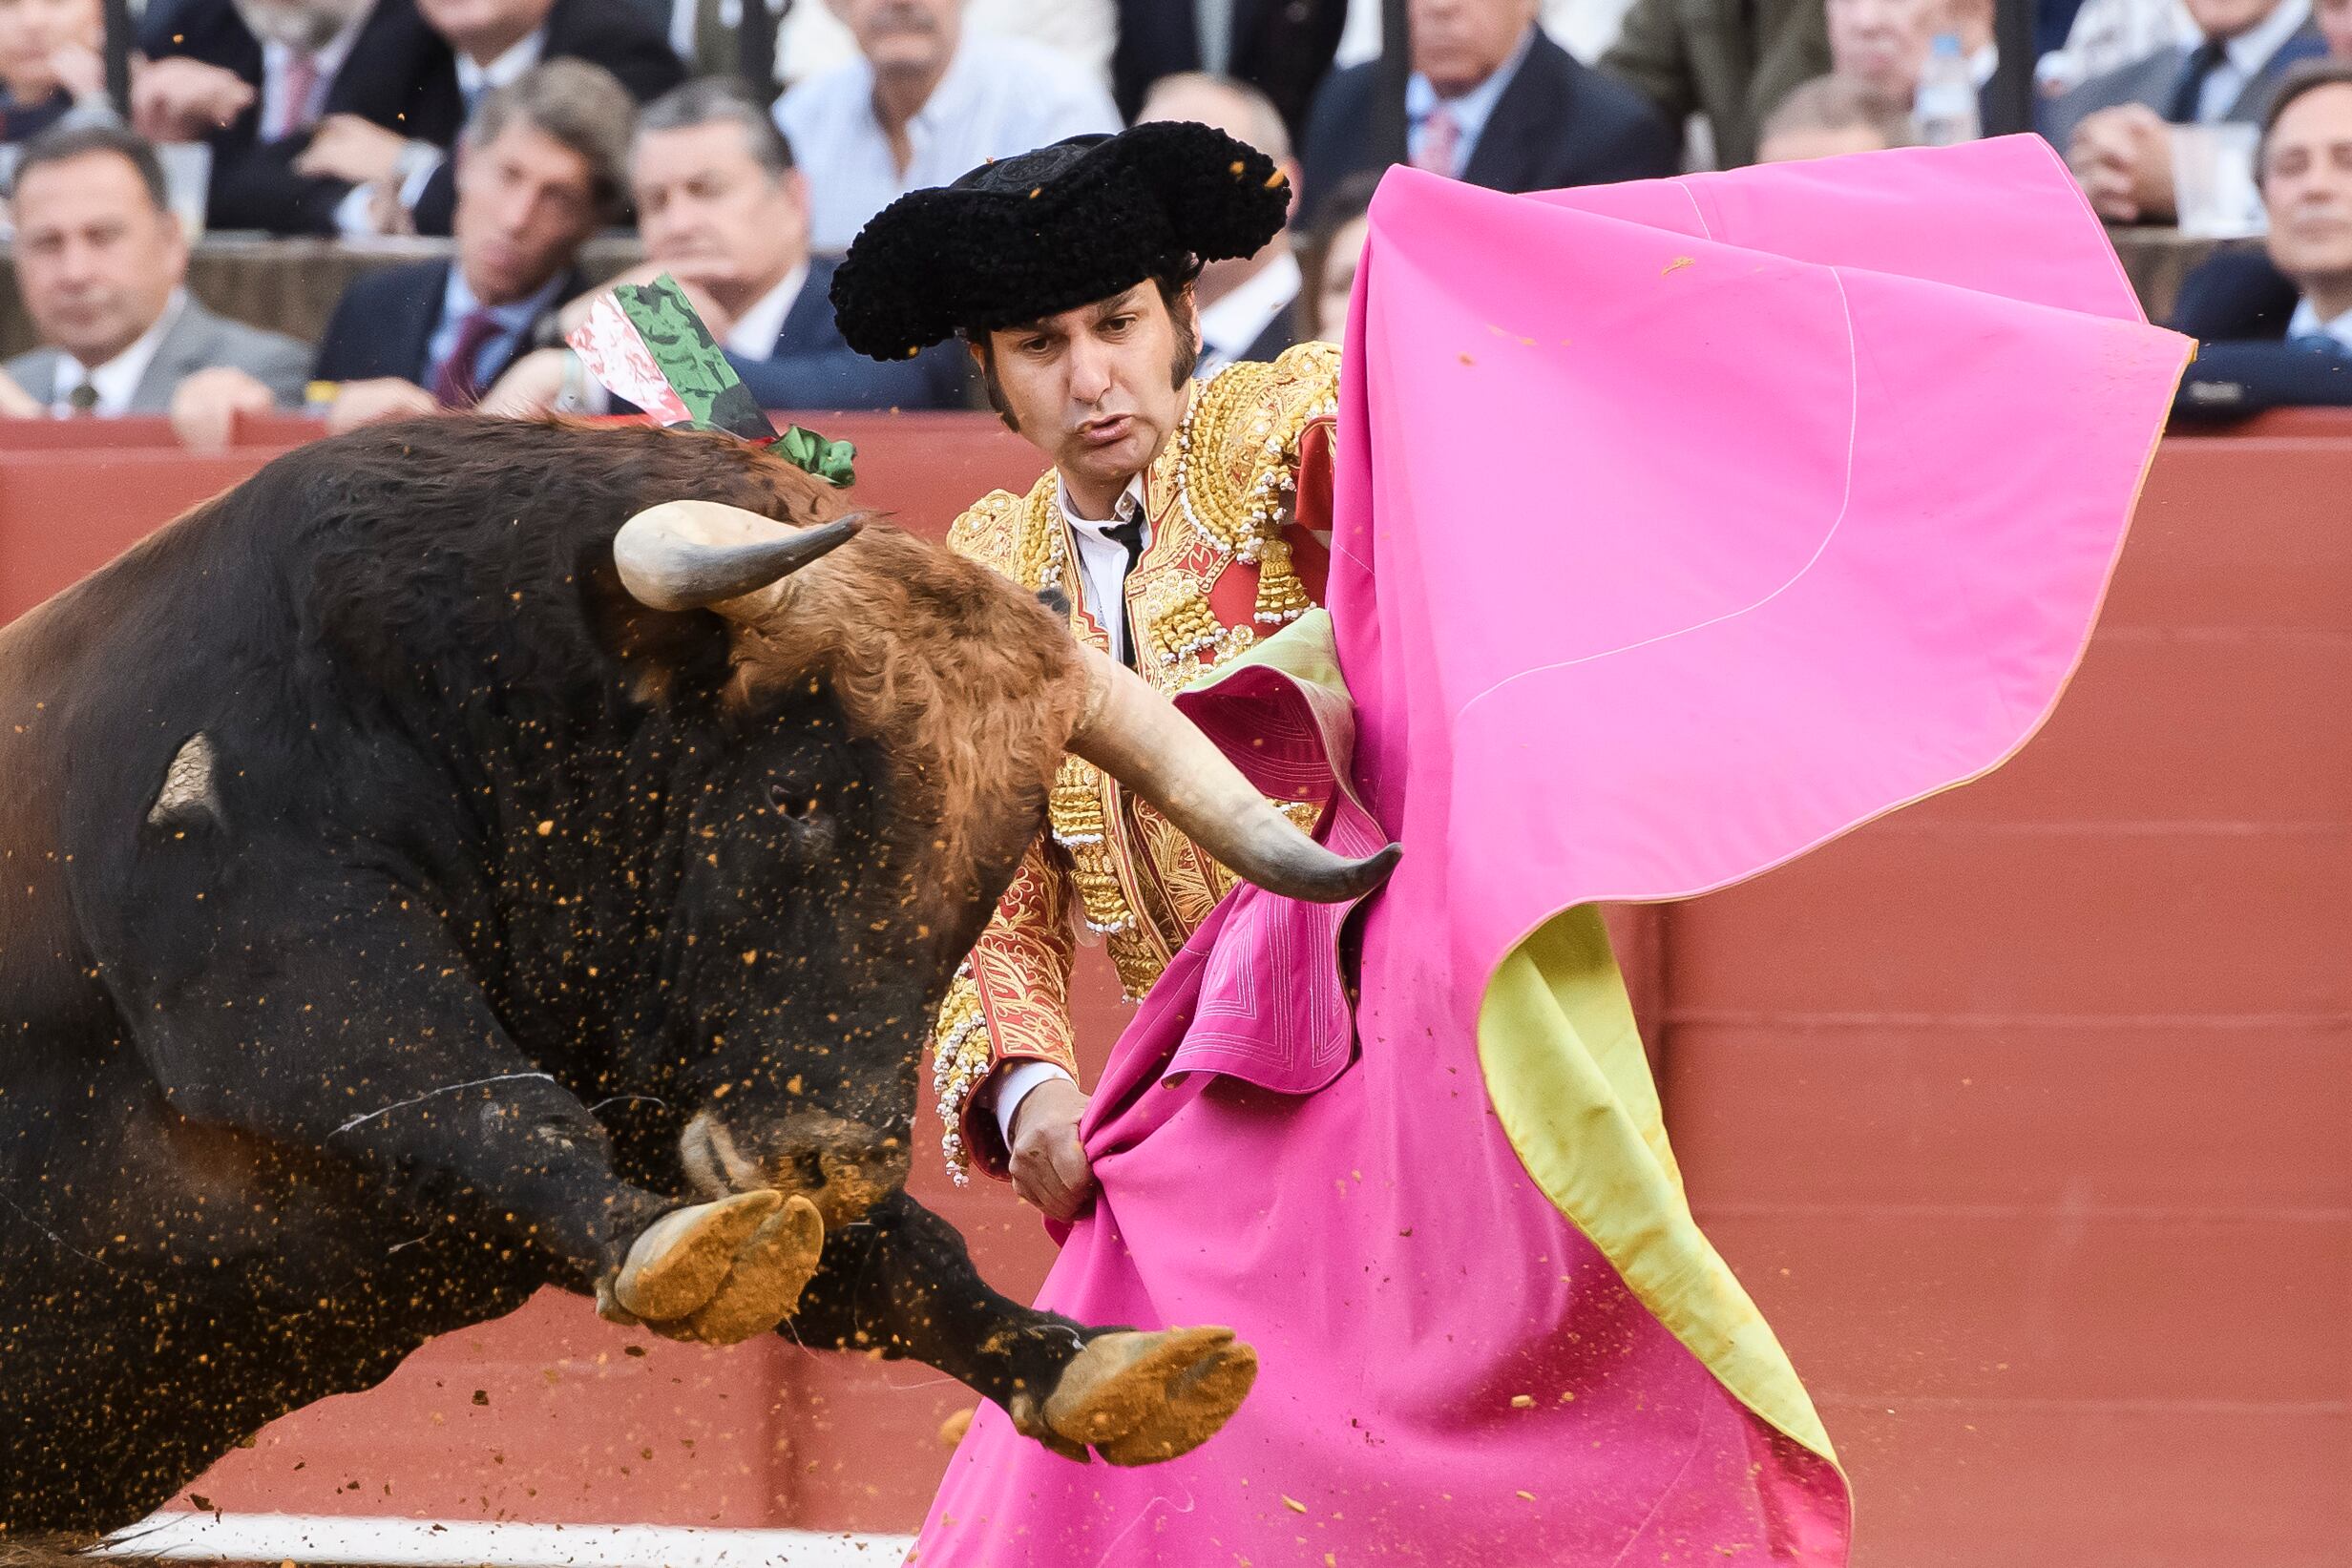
1944 111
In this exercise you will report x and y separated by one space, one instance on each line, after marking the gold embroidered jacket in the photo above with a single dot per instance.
1240 509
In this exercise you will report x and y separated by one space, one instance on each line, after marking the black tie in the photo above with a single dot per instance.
2191 92
84 398
1129 537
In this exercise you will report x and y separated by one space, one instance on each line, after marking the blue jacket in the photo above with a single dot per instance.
2237 305
812 368
384 324
1558 122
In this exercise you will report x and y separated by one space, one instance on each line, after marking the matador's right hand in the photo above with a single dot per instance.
1049 1166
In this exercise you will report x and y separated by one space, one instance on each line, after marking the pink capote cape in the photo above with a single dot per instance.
1681 526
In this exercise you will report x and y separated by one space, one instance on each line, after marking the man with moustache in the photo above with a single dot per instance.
1182 523
927 98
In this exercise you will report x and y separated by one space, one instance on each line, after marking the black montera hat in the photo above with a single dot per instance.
1048 231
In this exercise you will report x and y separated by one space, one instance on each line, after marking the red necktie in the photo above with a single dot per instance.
453 384
294 88
1440 142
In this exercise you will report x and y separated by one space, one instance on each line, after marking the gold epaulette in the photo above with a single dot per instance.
1020 536
1236 460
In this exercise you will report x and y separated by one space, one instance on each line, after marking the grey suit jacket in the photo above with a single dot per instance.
2152 79
197 340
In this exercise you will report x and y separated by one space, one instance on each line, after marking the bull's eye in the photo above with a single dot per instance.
784 799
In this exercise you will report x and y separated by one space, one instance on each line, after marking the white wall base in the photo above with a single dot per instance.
424 1543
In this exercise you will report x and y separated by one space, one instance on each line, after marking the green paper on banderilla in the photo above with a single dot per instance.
691 360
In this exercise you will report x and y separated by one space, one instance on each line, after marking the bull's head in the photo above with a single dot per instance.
966 692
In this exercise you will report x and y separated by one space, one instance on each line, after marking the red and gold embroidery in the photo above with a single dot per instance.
1222 495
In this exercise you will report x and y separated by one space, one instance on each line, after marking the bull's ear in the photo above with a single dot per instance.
653 651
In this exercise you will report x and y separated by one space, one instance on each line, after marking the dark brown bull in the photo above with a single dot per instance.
417 888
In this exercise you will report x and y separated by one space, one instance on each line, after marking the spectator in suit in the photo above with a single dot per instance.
278 86
927 99
49 62
1493 101
724 212
1084 32
542 171
491 44
1830 115
2275 326
1732 61
1283 48
2113 127
1246 308
102 266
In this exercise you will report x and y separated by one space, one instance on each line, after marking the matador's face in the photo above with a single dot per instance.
1100 389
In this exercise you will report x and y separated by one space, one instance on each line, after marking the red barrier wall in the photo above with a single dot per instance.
2020 1112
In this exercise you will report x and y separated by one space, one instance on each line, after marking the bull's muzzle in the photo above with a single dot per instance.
843 1167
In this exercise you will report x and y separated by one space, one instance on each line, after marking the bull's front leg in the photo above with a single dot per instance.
901 1282
332 1012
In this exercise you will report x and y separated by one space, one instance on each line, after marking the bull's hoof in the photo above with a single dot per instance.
718 1273
1199 1400
1139 1398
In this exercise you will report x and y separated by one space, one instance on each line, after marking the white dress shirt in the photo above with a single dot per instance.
756 330
1103 560
2243 57
2306 323
514 321
1583 28
1102 570
281 115
814 40
998 96
116 381
474 80
1232 324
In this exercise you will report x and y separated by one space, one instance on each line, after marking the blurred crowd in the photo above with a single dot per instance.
744 142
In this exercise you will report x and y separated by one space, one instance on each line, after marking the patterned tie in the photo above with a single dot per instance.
1440 142
1128 537
301 78
2189 97
453 384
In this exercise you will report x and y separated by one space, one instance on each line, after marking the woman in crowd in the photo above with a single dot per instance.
1332 251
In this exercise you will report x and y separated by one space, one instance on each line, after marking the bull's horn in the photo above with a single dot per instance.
685 555
1136 736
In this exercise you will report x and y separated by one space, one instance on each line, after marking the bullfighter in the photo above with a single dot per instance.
1414 1149
1183 522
